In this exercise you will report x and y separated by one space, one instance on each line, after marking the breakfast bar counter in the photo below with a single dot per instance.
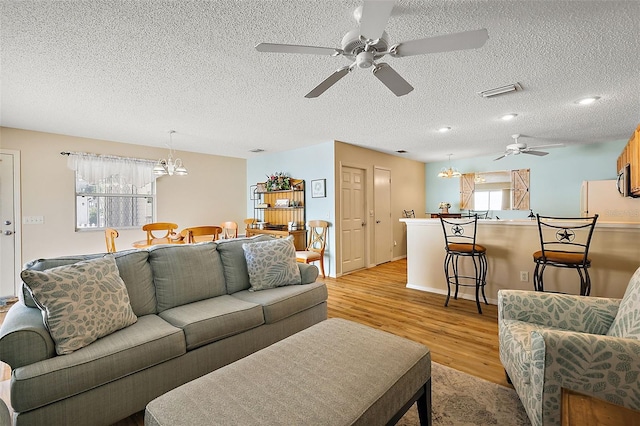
614 254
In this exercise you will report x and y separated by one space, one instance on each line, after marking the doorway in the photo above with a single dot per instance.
352 218
382 207
10 260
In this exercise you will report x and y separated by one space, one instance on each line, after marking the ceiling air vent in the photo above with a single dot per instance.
500 90
256 150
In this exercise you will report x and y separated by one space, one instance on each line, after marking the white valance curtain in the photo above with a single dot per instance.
96 168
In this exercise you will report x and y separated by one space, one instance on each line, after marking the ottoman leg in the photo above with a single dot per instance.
424 406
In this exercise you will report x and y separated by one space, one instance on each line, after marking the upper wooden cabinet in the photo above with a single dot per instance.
631 155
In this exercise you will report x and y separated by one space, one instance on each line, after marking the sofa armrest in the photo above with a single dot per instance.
575 313
603 366
308 273
24 339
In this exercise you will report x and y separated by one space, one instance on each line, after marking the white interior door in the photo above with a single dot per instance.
382 205
9 213
352 202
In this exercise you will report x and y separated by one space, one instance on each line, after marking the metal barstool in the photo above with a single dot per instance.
564 243
460 241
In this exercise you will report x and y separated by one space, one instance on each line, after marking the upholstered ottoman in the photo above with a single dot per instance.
336 372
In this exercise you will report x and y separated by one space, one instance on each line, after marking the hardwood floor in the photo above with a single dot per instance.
458 336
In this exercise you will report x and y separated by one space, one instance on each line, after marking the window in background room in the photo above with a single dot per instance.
112 192
488 200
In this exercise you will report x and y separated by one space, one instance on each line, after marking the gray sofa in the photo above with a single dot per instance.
185 328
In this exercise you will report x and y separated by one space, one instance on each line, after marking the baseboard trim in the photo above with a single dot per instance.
461 295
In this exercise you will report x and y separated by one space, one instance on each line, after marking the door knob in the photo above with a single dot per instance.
7 222
8 232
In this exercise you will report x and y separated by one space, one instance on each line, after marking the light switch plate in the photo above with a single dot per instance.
33 220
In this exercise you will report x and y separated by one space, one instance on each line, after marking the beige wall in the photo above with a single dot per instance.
214 191
407 191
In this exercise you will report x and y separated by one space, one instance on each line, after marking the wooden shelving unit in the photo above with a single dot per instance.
275 210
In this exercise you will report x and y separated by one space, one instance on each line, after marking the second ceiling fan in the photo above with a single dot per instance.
369 43
517 148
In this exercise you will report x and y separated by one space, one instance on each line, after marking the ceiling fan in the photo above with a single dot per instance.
517 148
369 43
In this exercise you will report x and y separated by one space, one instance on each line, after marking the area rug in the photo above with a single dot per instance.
460 399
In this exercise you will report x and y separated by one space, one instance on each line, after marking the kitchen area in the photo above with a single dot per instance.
552 186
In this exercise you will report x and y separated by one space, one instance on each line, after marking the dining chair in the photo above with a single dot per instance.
110 236
460 242
316 245
249 221
169 227
564 243
229 230
197 234
408 214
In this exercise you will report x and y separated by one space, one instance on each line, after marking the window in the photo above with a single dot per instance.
112 192
488 200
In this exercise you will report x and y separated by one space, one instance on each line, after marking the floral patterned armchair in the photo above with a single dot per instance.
551 341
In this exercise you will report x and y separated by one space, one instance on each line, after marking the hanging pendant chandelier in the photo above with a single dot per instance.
450 172
170 166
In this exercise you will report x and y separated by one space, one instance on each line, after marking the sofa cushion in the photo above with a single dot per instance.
44 264
148 342
185 273
214 319
271 264
627 321
236 274
135 271
81 302
282 302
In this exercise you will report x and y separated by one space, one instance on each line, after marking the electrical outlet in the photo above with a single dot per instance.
524 276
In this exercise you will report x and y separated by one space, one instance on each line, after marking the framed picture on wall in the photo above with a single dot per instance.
318 188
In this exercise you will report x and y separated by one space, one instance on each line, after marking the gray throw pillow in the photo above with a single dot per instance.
271 264
81 302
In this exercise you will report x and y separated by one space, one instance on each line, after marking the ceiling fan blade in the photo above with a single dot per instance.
538 153
294 48
501 157
547 146
328 82
444 43
390 78
375 15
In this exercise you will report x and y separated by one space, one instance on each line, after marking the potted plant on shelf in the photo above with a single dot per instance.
278 182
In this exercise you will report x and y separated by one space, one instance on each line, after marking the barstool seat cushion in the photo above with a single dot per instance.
568 258
466 248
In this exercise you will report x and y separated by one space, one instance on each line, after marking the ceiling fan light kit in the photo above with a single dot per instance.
369 43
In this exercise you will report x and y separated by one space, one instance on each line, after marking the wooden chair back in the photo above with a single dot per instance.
229 230
249 221
198 234
110 236
317 235
168 227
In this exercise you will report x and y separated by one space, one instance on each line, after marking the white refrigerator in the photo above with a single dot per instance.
602 197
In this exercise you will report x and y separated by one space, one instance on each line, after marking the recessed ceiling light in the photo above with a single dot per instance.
589 100
508 117
444 129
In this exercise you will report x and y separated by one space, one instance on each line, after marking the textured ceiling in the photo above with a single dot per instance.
129 71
